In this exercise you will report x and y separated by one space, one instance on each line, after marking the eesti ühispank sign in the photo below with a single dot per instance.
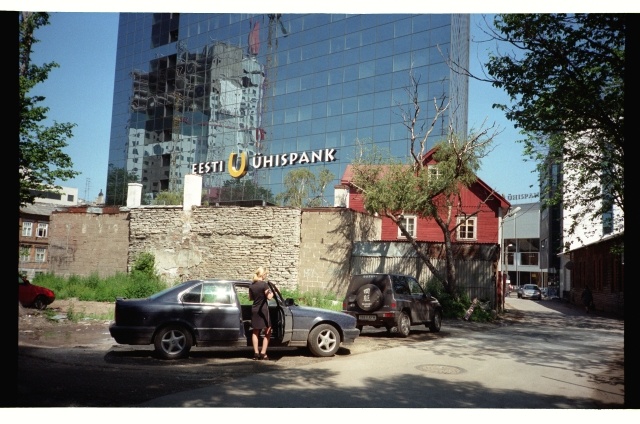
261 161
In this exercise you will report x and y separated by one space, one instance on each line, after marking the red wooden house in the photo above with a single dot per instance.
482 227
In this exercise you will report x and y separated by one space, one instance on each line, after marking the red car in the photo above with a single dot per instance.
32 296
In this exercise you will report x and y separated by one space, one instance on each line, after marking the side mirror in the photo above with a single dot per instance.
289 302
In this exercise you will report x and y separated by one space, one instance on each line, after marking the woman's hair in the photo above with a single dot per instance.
259 274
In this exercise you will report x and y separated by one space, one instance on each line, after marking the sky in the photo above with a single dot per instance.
83 41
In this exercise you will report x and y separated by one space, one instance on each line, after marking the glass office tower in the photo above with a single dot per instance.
244 99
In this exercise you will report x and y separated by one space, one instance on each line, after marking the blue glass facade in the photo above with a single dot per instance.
287 90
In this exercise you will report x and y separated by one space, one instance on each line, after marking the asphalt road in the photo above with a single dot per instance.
555 358
547 355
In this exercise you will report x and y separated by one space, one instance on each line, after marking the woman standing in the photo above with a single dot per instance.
260 293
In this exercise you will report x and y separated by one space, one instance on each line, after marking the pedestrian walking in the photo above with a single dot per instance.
587 298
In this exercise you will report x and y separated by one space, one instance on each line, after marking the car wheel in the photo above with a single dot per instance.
369 297
39 303
173 342
436 323
404 325
324 340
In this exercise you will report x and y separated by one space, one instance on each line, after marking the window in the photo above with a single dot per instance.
25 253
27 228
409 223
434 171
41 254
42 229
466 228
217 293
415 287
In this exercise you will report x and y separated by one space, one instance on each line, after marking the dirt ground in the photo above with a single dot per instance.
53 326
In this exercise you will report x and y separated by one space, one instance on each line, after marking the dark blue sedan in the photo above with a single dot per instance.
217 312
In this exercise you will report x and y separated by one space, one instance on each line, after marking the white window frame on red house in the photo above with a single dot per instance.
434 171
25 253
410 223
43 230
27 228
462 231
41 254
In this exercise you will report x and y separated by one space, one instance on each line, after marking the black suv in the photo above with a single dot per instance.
393 301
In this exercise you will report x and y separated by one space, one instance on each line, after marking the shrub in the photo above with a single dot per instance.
145 263
456 306
141 286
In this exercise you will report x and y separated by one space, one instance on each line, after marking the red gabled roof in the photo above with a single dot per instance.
347 177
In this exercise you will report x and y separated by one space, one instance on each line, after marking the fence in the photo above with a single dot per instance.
474 276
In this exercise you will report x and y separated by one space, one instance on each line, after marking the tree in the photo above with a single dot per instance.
243 189
566 82
40 159
304 189
118 185
168 198
391 188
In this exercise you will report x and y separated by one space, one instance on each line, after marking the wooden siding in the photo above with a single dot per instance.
595 266
488 221
476 265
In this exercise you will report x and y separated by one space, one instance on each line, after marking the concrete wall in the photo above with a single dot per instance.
83 243
327 238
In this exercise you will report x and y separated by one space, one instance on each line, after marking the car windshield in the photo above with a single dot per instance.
531 287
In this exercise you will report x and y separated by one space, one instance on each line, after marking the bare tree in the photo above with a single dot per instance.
429 186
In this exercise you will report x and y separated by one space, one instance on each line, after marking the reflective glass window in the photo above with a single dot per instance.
349 121
349 104
333 123
365 86
366 69
318 140
384 32
350 89
318 126
365 118
384 49
304 128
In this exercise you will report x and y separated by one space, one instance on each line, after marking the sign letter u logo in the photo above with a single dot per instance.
233 171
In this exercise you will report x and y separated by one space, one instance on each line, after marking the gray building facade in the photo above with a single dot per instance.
521 245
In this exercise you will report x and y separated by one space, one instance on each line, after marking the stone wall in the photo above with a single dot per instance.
85 243
224 242
309 250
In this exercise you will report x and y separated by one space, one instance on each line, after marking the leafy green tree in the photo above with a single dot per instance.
40 159
565 78
118 180
168 198
243 189
431 191
304 189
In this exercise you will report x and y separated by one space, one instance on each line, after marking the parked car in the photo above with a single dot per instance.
393 301
530 291
217 312
32 296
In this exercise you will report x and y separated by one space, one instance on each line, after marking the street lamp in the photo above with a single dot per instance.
502 262
506 262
